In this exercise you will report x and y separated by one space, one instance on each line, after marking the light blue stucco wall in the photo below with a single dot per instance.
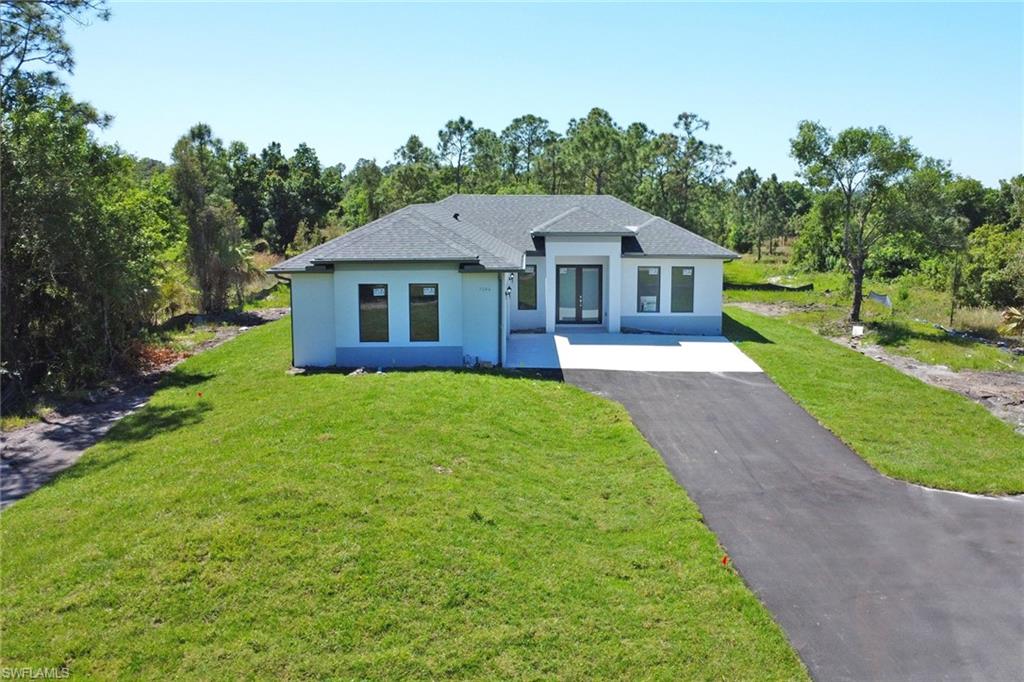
701 325
529 319
398 277
480 291
325 329
325 319
400 356
706 318
460 320
313 319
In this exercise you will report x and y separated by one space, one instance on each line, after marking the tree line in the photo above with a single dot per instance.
98 245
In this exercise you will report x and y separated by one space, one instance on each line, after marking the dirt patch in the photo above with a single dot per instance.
238 323
1001 393
775 309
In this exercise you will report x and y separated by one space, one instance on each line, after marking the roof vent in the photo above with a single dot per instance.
455 215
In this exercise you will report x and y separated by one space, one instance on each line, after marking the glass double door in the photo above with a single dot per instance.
579 294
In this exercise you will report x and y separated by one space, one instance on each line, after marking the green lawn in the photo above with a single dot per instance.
903 427
826 310
276 296
248 523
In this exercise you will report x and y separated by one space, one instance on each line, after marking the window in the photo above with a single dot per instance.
528 288
373 312
648 289
423 312
682 290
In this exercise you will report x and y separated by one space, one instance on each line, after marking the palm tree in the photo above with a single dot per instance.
1013 322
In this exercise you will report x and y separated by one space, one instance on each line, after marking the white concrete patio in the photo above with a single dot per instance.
626 352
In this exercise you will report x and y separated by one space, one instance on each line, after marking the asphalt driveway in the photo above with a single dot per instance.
871 578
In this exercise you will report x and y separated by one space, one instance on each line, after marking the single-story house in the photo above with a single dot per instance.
444 284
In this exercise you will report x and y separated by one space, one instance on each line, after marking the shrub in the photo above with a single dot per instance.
993 273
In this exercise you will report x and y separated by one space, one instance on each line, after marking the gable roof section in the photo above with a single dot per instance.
579 221
496 231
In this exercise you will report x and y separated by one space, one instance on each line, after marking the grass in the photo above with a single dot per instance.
908 329
276 296
185 340
34 409
248 523
926 343
901 426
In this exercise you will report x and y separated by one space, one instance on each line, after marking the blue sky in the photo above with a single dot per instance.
355 80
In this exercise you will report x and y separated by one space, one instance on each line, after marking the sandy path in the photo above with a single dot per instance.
32 455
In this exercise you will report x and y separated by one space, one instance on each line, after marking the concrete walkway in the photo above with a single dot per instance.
626 352
871 578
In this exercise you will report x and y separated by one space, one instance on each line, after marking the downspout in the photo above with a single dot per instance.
501 318
505 325
291 312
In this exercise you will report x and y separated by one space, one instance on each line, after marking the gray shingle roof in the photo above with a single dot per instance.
497 230
578 220
659 237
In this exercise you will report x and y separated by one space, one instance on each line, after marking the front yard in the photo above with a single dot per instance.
248 523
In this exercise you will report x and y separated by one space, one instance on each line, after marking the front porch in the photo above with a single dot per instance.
635 352
572 283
